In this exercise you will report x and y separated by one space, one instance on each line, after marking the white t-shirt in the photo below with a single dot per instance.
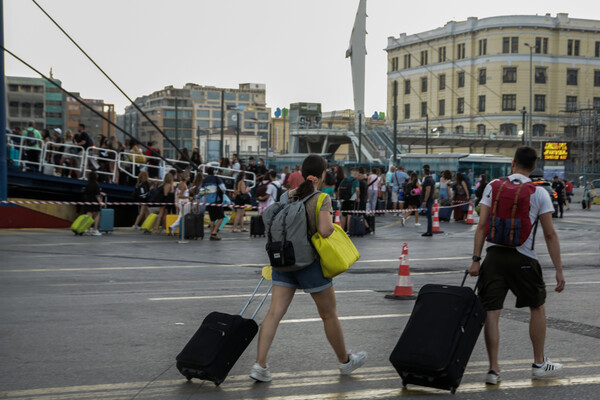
272 190
540 204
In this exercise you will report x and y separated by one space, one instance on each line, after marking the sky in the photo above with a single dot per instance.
296 47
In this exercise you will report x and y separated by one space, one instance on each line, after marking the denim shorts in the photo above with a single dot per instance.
310 279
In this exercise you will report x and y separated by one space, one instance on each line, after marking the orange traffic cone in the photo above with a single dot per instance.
470 219
337 219
435 228
403 289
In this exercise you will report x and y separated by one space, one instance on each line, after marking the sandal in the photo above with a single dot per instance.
244 230
236 231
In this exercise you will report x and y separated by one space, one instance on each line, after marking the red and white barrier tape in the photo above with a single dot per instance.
122 203
135 203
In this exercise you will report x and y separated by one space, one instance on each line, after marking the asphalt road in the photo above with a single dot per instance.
104 317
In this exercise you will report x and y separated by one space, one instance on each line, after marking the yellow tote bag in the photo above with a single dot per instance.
337 252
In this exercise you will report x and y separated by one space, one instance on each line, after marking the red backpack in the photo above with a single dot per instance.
509 223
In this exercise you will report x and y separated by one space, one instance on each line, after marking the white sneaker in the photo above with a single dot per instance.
417 224
136 227
260 374
492 377
403 221
355 360
95 233
547 369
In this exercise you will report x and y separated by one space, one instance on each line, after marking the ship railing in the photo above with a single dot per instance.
228 175
95 156
18 144
72 158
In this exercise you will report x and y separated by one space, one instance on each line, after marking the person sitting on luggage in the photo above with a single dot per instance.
213 189
310 279
241 194
164 195
93 194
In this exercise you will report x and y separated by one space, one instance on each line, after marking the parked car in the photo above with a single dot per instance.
547 185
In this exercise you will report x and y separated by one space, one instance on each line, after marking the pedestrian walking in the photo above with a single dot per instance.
241 196
140 195
93 194
427 196
412 198
310 279
461 195
373 183
559 188
513 265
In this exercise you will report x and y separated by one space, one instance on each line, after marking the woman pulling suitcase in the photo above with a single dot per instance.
310 279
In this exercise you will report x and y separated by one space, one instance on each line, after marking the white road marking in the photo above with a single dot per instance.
233 296
348 318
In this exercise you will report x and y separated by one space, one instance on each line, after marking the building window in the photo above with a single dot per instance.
263 116
509 102
243 96
423 109
202 123
597 103
213 96
406 111
459 129
442 54
597 50
407 61
510 44
229 96
539 130
571 103
509 74
460 51
216 114
540 75
442 107
481 103
481 129
395 64
461 79
541 45
572 77
442 81
202 114
424 54
597 78
407 86
482 76
571 131
540 102
572 47
13 109
423 84
482 47
508 129
460 106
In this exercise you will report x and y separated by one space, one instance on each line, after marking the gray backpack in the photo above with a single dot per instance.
288 245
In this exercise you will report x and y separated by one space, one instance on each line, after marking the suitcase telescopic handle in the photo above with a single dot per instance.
252 297
465 278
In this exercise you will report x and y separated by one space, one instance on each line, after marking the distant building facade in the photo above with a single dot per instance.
95 126
34 100
473 77
193 114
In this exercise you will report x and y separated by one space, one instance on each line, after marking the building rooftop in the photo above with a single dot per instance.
472 24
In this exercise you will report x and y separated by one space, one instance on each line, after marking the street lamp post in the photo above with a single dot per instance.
237 137
530 131
524 112
395 119
427 133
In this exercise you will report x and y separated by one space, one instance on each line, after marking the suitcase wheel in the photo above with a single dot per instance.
189 378
453 390
404 383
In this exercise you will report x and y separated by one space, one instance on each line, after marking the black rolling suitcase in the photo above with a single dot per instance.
380 206
257 226
218 343
357 226
193 226
440 335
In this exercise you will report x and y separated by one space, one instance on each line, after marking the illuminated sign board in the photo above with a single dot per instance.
558 151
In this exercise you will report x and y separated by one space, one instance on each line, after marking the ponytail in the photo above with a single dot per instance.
313 165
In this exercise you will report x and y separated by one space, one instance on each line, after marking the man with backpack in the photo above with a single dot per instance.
32 152
398 179
515 206
349 193
268 191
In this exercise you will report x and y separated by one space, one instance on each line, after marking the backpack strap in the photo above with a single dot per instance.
514 212
495 208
